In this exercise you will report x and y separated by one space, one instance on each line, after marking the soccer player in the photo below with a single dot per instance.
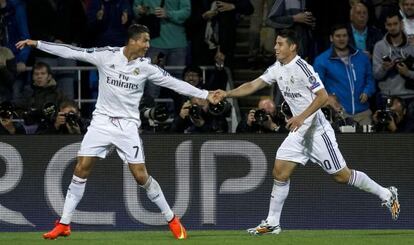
123 72
311 136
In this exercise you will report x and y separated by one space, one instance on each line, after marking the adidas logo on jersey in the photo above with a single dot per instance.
112 66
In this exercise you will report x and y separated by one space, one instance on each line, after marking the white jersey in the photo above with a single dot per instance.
298 83
121 82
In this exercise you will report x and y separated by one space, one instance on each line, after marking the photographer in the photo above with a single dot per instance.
394 118
264 119
7 125
392 60
66 121
198 116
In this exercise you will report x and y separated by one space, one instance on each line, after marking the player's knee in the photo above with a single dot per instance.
82 171
280 175
341 178
141 179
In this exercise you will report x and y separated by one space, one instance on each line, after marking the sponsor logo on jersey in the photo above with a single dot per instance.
292 80
289 94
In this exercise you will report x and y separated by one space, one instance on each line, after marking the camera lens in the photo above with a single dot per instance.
260 116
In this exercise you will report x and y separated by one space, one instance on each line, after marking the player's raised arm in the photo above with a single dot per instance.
61 50
245 89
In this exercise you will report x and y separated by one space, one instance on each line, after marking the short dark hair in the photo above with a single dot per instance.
68 103
135 30
392 13
290 35
193 68
39 65
336 27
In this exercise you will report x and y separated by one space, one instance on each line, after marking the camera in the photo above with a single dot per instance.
385 116
219 109
386 58
35 116
72 118
195 112
157 113
261 116
285 110
6 110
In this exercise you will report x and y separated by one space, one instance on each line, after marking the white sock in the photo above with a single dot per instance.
73 197
279 194
365 183
156 196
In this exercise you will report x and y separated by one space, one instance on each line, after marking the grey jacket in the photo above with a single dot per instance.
391 82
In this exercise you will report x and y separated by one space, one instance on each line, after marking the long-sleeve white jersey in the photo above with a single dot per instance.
298 83
121 82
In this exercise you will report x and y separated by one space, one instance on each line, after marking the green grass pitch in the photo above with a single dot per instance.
317 237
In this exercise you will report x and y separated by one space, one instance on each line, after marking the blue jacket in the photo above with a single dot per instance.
15 21
346 81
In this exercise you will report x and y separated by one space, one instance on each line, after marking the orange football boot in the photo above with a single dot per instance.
177 228
59 230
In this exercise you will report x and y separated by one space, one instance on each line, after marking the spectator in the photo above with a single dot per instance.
264 119
395 118
67 121
391 56
347 74
45 90
225 15
108 21
7 125
7 73
407 9
61 21
256 24
293 15
196 117
13 27
195 30
172 40
326 13
361 35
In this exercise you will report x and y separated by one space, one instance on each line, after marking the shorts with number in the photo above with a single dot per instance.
105 132
321 148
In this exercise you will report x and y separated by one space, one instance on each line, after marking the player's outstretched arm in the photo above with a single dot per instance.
246 88
24 43
61 50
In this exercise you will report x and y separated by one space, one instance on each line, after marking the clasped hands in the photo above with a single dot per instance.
216 96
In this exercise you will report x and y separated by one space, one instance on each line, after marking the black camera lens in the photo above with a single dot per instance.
220 108
195 112
71 118
260 116
285 110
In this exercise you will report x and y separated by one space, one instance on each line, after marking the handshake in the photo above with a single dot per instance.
214 97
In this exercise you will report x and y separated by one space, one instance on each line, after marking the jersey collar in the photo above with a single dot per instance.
293 61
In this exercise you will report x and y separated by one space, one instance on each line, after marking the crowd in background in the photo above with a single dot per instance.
363 51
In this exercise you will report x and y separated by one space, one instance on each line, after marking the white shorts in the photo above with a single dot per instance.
321 149
105 132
